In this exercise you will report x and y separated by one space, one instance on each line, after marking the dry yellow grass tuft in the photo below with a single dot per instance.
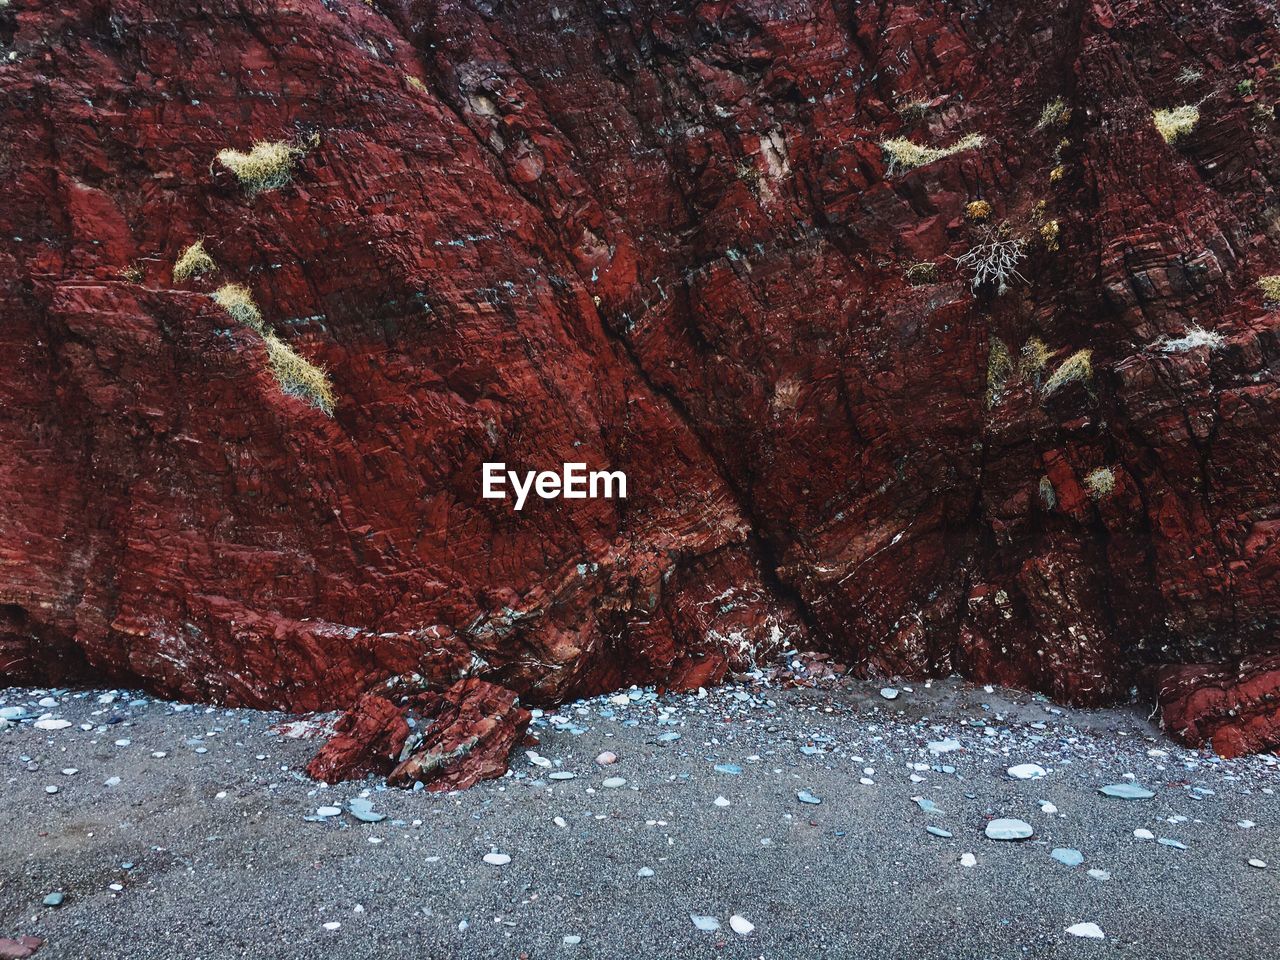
192 262
1033 358
1176 122
1100 482
904 155
266 167
416 85
1270 287
236 299
298 376
1077 367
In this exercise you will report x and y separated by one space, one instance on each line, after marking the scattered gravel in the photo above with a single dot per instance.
748 821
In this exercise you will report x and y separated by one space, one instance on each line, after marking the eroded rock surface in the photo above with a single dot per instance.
656 237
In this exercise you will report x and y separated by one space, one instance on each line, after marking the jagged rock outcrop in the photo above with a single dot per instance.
656 237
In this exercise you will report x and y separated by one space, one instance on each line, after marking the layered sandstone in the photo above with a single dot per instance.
663 238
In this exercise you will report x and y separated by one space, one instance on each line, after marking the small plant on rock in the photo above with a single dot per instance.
994 259
193 262
1076 368
921 274
1056 113
903 155
1048 496
237 301
1049 234
298 376
1176 122
1194 338
1100 483
999 369
1270 287
1033 359
267 166
977 211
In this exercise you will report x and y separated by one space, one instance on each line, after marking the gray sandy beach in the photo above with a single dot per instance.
190 831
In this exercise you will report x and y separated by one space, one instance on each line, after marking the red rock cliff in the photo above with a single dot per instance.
724 247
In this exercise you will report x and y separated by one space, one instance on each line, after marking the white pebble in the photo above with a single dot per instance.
1090 931
741 925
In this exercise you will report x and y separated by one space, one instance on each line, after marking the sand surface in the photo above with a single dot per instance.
183 833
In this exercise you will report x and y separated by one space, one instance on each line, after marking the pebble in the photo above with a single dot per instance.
54 899
613 782
1167 842
706 924
497 859
730 768
1143 834
328 811
741 925
944 746
51 789
362 810
572 939
50 723
332 925
889 693
1008 828
1027 771
938 832
968 860
1067 856
561 775
721 802
1257 864
1099 874
804 796
1126 791
1090 931
70 771
644 872
123 742
607 758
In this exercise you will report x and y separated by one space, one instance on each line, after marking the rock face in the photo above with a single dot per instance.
662 238
1235 710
